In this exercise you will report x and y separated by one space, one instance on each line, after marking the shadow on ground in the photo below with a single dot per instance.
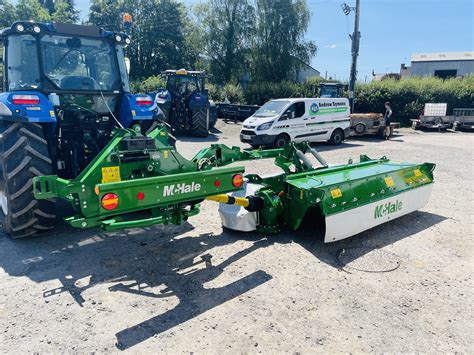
138 259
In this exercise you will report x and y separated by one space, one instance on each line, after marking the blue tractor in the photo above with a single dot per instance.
63 90
185 102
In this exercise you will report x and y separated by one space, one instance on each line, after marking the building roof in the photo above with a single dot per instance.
441 56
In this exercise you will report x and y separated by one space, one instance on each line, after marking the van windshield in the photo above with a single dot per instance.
271 108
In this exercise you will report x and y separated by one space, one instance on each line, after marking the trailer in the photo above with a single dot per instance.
370 124
236 113
463 118
433 117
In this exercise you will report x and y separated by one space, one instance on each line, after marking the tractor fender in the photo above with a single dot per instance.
26 107
163 98
198 101
137 107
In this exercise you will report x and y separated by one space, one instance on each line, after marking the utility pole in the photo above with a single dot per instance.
355 37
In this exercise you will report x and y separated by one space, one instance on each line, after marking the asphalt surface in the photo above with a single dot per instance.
405 286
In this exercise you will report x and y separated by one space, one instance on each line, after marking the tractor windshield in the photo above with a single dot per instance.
74 63
271 108
184 85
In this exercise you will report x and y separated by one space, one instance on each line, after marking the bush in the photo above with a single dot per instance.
261 92
233 92
408 96
152 83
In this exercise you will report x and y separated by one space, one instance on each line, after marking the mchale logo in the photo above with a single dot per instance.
181 189
387 208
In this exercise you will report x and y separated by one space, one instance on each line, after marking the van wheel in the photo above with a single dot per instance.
337 137
281 141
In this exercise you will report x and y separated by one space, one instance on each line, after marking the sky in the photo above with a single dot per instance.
391 31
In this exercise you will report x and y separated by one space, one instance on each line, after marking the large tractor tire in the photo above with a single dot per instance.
23 155
212 114
200 123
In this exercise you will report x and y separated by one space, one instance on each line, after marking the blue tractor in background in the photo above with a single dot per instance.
63 90
185 102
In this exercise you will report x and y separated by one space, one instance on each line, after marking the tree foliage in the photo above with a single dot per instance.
280 47
158 32
37 10
227 27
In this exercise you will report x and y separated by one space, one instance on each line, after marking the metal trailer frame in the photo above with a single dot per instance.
463 118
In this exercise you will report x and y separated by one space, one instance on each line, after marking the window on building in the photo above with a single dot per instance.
444 74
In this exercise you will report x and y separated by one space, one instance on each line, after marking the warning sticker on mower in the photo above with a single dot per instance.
336 193
111 174
389 181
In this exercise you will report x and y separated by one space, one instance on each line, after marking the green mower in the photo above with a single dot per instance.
140 180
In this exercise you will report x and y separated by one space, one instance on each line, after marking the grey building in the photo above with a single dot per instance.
443 65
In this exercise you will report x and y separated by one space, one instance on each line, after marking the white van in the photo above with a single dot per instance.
280 121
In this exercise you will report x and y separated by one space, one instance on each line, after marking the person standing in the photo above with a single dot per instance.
387 118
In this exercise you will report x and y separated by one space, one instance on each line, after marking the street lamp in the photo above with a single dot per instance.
346 9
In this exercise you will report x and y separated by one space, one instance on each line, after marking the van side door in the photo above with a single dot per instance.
293 117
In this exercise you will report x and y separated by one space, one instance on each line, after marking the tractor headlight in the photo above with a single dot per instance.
36 29
127 40
118 38
20 28
264 126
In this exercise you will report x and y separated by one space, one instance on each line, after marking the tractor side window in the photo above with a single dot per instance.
22 60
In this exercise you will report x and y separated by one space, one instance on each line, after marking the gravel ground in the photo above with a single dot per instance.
198 288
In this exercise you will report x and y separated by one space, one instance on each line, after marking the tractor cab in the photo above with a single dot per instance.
64 58
331 90
185 102
74 80
185 84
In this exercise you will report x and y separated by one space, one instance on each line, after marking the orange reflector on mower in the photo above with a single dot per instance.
109 201
237 180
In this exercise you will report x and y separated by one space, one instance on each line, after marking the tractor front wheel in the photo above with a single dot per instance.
200 123
23 155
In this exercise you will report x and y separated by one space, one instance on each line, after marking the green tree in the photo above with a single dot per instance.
31 10
65 12
227 26
280 46
7 13
158 32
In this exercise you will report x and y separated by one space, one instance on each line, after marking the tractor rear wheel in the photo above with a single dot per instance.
212 114
23 155
200 123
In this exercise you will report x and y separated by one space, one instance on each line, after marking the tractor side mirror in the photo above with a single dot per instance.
127 64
